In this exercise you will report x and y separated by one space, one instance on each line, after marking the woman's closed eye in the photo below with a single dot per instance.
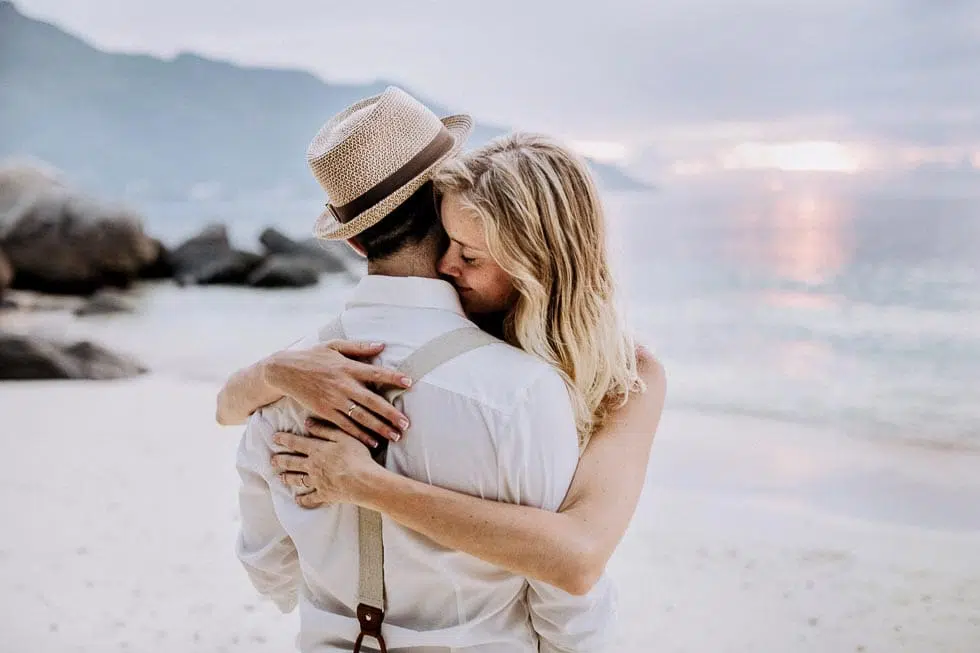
468 260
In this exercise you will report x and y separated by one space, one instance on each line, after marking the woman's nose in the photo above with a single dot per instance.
446 268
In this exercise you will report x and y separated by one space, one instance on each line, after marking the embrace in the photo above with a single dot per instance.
451 462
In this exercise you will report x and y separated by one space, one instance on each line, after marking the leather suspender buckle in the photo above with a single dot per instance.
370 619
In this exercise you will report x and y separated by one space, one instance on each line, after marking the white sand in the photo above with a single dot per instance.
118 512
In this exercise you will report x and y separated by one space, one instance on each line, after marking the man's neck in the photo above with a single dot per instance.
413 263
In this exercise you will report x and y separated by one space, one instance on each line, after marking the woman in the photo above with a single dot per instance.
527 255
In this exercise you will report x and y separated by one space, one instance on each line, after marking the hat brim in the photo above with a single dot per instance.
327 226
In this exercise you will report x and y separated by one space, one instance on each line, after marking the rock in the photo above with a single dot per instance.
280 271
330 257
30 300
161 266
59 241
208 258
232 268
100 363
20 183
6 273
30 358
197 251
104 303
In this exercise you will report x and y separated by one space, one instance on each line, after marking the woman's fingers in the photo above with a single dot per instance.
295 480
368 407
293 442
289 462
356 348
309 500
380 376
345 424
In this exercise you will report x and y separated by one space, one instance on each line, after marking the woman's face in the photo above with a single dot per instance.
483 286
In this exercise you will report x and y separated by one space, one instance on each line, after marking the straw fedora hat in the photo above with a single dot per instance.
373 155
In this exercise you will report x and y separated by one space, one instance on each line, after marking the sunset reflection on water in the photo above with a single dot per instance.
803 237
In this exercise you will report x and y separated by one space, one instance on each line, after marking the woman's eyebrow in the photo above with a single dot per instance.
462 244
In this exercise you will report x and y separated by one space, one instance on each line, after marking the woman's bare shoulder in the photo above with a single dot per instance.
649 367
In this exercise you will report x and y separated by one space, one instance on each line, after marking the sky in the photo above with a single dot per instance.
683 85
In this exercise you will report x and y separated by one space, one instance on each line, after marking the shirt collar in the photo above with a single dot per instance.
411 292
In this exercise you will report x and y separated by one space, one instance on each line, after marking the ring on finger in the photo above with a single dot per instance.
350 411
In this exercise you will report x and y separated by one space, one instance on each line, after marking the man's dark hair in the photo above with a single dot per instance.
411 222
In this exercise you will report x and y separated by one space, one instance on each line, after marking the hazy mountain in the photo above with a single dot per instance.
135 124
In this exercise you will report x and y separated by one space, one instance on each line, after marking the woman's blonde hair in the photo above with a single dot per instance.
545 227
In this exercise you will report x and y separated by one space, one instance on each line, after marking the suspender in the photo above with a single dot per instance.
370 591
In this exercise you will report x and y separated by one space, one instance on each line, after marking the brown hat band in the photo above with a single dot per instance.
418 164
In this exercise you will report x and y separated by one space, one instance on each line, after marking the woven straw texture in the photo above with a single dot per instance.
366 143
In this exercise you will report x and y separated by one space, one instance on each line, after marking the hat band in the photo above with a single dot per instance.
427 156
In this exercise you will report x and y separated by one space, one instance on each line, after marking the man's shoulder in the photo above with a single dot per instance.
287 414
497 375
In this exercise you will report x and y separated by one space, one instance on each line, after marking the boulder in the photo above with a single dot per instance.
100 363
20 183
197 251
62 242
232 268
280 271
208 258
6 273
329 256
31 358
104 303
161 266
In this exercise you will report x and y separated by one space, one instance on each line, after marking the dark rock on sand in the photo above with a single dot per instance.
330 257
104 303
161 266
62 242
197 251
208 258
6 273
279 271
30 358
232 268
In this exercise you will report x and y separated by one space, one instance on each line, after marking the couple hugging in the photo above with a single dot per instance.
450 463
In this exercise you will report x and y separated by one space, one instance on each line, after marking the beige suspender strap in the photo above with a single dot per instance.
438 351
422 361
370 545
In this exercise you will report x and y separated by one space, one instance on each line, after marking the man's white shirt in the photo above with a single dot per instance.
495 423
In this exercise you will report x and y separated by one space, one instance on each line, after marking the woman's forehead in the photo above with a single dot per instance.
461 222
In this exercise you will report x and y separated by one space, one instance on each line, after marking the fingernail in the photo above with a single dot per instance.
403 423
374 443
276 439
377 344
396 436
406 381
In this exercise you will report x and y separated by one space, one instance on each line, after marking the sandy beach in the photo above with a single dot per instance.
119 520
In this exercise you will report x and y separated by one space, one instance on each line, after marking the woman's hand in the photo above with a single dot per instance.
327 466
329 381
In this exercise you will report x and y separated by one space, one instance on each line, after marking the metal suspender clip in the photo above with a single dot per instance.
370 619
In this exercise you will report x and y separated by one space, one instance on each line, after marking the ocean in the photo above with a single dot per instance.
807 303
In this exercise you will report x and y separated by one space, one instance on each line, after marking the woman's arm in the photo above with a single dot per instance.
325 380
568 549
245 392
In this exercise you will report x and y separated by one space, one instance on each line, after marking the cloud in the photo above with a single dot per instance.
628 70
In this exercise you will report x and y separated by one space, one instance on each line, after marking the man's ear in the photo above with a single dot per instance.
356 246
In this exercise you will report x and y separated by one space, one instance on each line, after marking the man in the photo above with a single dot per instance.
493 422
